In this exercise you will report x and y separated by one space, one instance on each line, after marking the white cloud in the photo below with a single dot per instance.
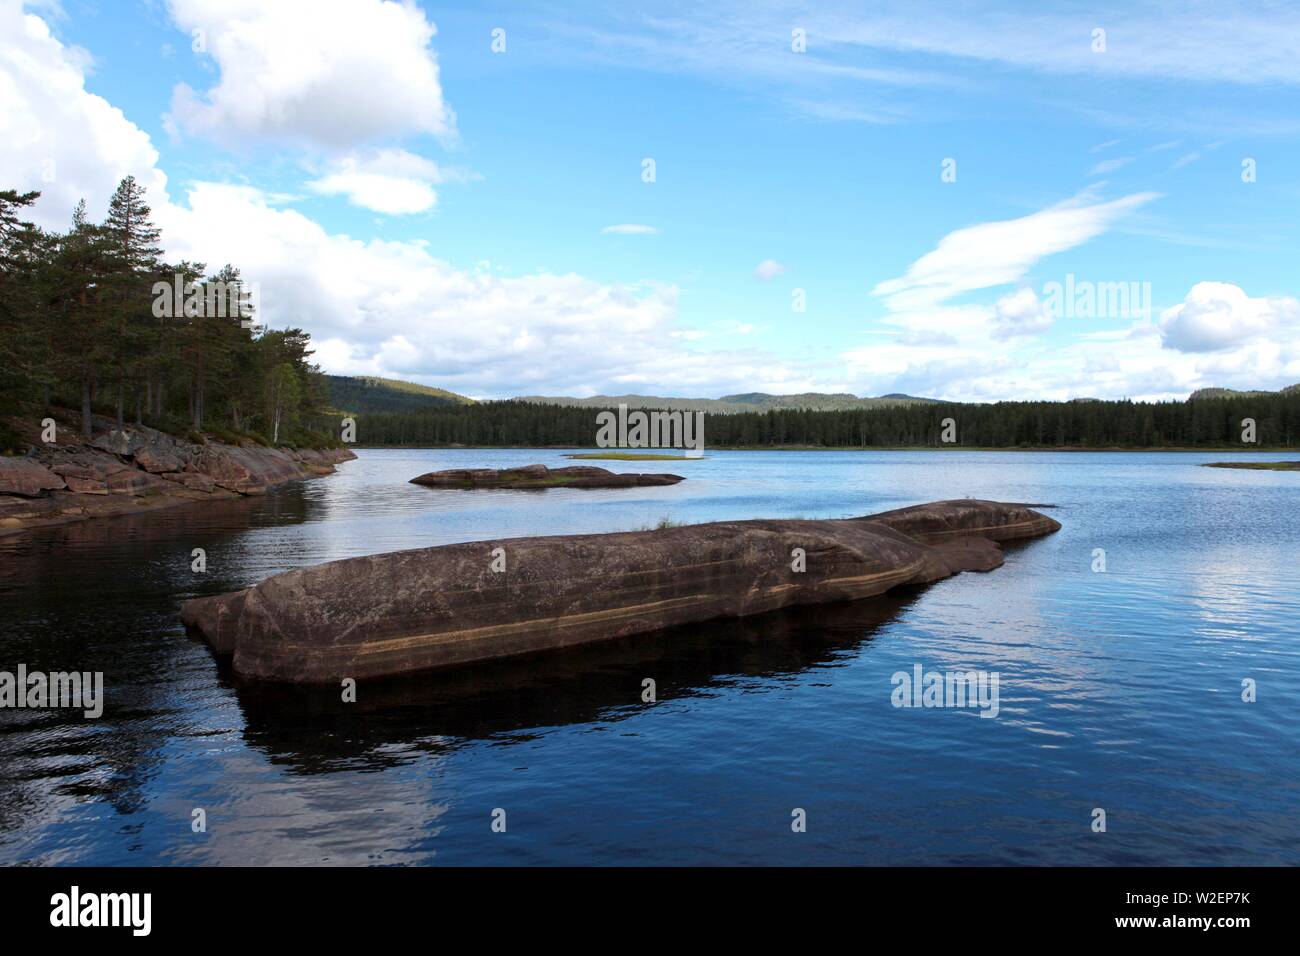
333 73
1000 253
768 269
1107 166
1219 316
387 307
58 138
897 59
391 181
396 308
374 306
630 229
979 352
1020 313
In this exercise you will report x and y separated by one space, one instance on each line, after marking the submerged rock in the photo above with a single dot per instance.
435 607
539 476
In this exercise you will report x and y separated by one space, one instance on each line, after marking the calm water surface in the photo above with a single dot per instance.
1119 690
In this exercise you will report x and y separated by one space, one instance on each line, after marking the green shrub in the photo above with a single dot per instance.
11 443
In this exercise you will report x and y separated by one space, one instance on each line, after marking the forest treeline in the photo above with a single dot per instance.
1077 424
87 325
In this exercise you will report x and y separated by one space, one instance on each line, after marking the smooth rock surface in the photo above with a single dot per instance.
436 607
26 477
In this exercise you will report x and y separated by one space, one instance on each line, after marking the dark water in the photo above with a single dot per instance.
1119 690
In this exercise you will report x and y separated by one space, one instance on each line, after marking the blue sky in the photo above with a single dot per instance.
433 210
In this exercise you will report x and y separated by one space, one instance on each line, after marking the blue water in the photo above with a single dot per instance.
1119 690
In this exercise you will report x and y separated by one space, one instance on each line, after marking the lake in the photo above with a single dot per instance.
1120 690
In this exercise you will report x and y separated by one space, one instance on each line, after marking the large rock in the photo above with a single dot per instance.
133 481
26 477
87 463
119 441
152 450
86 486
162 456
192 480
539 476
436 607
249 471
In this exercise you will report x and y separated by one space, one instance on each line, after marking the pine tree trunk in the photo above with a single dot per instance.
139 408
85 407
121 423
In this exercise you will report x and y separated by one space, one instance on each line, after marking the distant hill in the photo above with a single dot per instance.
361 394
1233 393
733 404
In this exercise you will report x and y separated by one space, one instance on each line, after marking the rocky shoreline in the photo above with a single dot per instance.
419 610
137 469
533 477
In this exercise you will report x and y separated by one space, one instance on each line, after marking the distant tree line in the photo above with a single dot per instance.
1078 424
87 325
357 393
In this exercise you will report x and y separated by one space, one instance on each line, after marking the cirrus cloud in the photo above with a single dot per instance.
630 229
1000 253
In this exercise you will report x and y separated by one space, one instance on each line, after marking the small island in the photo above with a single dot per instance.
632 456
1257 465
531 477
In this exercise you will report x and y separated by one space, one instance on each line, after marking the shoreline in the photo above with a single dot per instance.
139 469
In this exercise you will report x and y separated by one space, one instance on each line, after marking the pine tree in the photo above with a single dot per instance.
134 262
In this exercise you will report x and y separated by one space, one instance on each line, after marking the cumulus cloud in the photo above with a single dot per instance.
58 138
379 307
333 73
768 269
1020 313
1218 316
397 308
630 229
394 307
391 181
